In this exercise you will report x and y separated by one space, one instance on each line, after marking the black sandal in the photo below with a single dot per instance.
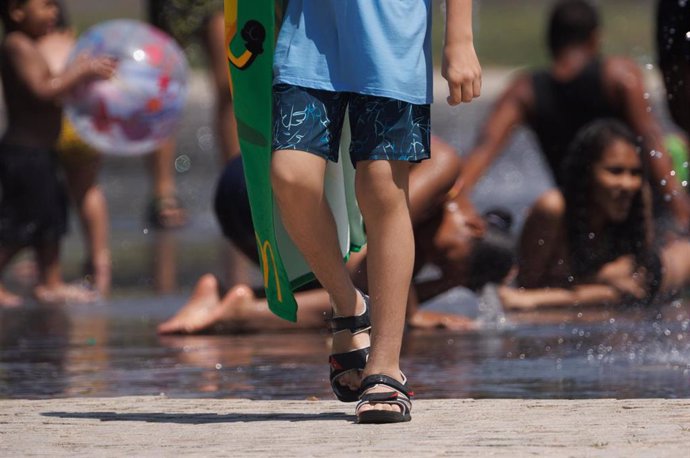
355 360
399 396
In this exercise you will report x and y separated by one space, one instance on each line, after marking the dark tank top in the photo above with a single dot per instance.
562 108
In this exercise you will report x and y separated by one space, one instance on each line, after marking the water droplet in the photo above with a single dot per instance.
672 173
649 67
541 242
591 235
146 230
571 279
646 95
183 163
219 366
663 182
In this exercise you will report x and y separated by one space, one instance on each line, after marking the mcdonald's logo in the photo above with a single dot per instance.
264 249
253 34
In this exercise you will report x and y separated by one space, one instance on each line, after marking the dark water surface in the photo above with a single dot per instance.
113 350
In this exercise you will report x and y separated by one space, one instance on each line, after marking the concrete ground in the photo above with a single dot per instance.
159 426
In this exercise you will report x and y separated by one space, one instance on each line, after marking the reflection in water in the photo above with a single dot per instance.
113 350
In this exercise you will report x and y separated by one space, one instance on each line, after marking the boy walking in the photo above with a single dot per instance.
370 59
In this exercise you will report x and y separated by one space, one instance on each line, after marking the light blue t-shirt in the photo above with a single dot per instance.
373 47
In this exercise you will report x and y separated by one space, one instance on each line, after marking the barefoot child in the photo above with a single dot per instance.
33 210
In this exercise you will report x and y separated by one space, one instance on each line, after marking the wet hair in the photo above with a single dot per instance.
492 256
631 236
572 22
7 22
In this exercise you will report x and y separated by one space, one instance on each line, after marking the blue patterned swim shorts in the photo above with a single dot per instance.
311 120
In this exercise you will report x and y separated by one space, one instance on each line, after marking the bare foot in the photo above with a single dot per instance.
8 299
206 310
98 272
167 213
65 294
24 272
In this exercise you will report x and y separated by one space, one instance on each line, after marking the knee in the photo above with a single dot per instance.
379 198
287 178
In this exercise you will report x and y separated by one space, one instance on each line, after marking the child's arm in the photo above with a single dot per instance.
460 64
578 296
31 68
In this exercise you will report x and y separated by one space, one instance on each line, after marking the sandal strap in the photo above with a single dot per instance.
355 324
355 359
399 396
381 379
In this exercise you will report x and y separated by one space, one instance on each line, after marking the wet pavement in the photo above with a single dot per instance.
111 349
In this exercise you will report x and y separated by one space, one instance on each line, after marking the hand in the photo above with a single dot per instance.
102 67
621 275
96 67
460 67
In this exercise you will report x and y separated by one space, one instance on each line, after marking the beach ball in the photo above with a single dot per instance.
140 106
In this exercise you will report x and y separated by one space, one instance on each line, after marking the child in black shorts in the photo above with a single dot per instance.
33 206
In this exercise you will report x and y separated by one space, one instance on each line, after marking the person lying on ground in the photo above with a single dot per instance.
592 242
469 250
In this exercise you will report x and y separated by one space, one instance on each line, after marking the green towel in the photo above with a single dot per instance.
249 31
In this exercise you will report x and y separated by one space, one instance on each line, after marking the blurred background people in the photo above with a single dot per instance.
33 210
579 86
591 242
81 164
469 250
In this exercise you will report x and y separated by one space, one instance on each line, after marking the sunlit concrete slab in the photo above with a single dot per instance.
159 426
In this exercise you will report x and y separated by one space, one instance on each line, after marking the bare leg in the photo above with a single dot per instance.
166 211
93 215
51 289
382 193
226 125
213 40
8 299
297 179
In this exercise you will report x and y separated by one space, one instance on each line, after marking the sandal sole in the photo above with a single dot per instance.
382 417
